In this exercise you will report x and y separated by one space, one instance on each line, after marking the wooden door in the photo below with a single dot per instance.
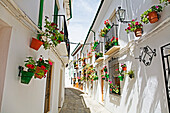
60 90
48 91
102 86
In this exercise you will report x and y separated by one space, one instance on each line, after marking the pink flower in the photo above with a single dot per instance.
106 72
110 82
129 28
157 7
133 20
137 23
128 24
50 62
116 69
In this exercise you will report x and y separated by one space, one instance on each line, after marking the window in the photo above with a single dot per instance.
113 65
55 13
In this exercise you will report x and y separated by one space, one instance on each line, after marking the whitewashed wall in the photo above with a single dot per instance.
17 97
146 92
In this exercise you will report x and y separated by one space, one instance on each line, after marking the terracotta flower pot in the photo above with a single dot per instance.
26 77
153 17
138 32
39 72
36 44
168 0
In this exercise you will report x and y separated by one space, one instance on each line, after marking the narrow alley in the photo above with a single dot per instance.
77 102
73 102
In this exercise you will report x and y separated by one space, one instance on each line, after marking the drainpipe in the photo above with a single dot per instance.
70 10
94 35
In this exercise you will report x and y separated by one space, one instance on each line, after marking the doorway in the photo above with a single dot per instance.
102 86
60 88
5 35
48 91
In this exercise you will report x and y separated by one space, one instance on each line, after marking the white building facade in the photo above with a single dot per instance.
147 91
19 23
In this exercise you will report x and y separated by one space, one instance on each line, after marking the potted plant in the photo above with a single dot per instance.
151 15
116 89
103 77
35 44
103 32
166 2
105 68
135 27
26 76
110 86
99 54
107 24
52 35
43 67
124 67
131 74
121 71
113 42
121 77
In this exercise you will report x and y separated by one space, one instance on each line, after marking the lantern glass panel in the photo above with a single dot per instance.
120 14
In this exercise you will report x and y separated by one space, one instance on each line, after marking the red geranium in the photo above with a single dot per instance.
32 67
40 59
61 32
43 67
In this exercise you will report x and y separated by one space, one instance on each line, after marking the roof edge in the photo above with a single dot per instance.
99 8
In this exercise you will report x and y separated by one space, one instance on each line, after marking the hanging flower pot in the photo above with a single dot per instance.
121 77
26 77
108 26
131 76
36 44
40 72
153 17
124 68
138 32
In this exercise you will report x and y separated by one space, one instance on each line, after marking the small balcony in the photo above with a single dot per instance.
64 46
99 52
111 41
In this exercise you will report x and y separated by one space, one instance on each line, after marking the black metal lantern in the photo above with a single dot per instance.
120 14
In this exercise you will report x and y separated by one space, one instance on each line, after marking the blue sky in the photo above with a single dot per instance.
83 15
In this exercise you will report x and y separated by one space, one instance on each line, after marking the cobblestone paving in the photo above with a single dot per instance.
73 102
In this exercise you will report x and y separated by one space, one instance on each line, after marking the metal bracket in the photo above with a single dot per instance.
20 69
147 55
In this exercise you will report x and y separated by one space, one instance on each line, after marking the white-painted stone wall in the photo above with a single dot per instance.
146 92
17 97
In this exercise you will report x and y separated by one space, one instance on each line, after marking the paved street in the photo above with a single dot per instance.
73 102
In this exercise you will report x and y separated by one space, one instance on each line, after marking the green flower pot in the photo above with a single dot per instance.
108 26
26 77
121 78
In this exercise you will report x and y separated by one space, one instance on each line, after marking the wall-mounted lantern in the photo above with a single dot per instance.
120 14
147 55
